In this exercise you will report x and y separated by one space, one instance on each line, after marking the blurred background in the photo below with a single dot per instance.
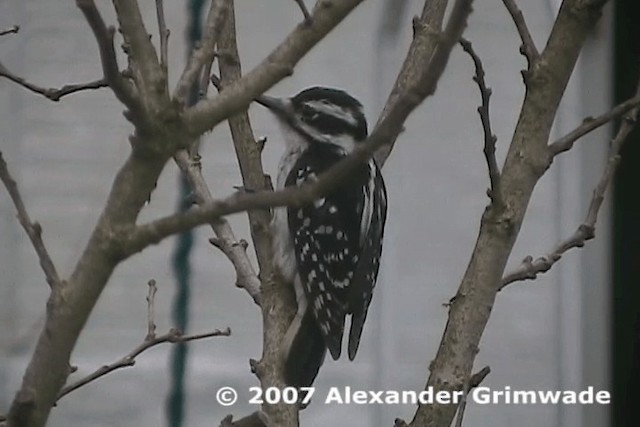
552 334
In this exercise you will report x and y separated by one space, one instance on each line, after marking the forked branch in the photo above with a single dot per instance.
528 48
530 268
205 53
52 93
104 36
590 124
226 240
33 229
151 340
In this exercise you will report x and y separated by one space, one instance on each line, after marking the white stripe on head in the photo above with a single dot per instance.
325 107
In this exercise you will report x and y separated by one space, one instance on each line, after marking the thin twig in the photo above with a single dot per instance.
477 378
530 268
248 150
590 124
123 90
52 93
305 11
489 137
173 336
164 35
33 229
12 30
148 74
528 48
246 276
151 325
206 52
427 30
474 381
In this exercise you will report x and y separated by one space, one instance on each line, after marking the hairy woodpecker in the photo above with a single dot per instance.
330 249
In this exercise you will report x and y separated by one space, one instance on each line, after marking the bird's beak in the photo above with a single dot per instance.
277 106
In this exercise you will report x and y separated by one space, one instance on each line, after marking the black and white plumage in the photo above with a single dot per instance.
330 249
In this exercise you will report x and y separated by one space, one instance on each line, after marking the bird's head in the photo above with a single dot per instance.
321 115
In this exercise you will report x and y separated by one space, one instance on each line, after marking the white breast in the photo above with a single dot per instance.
283 251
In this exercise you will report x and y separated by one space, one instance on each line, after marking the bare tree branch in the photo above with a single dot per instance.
278 304
304 10
530 268
279 63
164 35
205 53
148 74
489 137
590 124
104 36
248 150
52 93
528 48
426 32
33 229
474 381
151 324
526 161
12 30
173 336
226 239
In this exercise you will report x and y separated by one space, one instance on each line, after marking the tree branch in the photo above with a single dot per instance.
528 48
104 36
173 336
475 380
304 10
426 33
279 63
164 35
278 302
530 268
12 30
590 124
225 238
526 161
489 138
52 93
33 229
248 151
148 73
151 324
204 54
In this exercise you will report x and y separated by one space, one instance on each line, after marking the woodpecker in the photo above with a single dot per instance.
330 249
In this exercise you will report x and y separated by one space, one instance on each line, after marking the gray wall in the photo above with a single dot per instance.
548 334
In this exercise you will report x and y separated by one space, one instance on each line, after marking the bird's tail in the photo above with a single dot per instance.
306 354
